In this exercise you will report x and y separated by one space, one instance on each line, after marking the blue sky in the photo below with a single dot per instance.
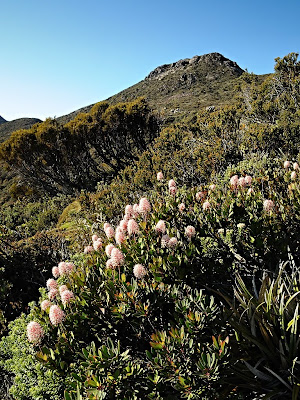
60 55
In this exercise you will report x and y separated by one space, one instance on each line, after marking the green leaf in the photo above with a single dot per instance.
67 396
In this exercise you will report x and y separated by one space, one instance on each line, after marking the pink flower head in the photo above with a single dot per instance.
52 294
35 332
248 179
88 249
120 238
56 315
136 210
181 207
45 304
286 164
51 284
109 264
106 225
139 271
117 257
234 180
129 210
123 225
69 267
132 227
62 288
165 241
171 183
144 206
296 166
206 205
242 182
55 272
293 175
190 231
268 205
97 245
172 243
108 249
200 196
250 191
109 232
94 238
160 176
66 297
172 190
212 187
160 227
62 268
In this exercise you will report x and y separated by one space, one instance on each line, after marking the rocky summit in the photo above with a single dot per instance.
213 60
183 87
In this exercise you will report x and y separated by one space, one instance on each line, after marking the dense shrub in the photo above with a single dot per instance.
144 323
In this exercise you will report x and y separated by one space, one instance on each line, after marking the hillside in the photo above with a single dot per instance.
176 248
7 127
183 87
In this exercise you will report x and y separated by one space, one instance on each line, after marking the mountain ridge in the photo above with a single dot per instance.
197 82
8 127
173 90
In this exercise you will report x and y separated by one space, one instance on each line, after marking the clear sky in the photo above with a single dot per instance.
60 55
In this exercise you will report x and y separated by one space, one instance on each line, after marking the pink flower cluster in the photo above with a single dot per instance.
139 271
181 207
166 241
172 187
45 304
269 205
132 227
65 268
62 288
119 237
66 296
108 249
200 196
206 205
190 231
117 258
109 230
97 243
51 284
144 206
160 176
35 332
56 315
52 294
242 182
160 227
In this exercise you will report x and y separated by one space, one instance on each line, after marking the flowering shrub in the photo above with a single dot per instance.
135 307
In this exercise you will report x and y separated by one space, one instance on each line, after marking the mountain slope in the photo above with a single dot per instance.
181 88
7 127
2 120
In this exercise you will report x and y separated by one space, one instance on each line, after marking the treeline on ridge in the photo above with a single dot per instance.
94 146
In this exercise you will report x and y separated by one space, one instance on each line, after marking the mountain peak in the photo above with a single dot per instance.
210 61
2 120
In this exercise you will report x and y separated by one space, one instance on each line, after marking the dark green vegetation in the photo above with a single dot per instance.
216 316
